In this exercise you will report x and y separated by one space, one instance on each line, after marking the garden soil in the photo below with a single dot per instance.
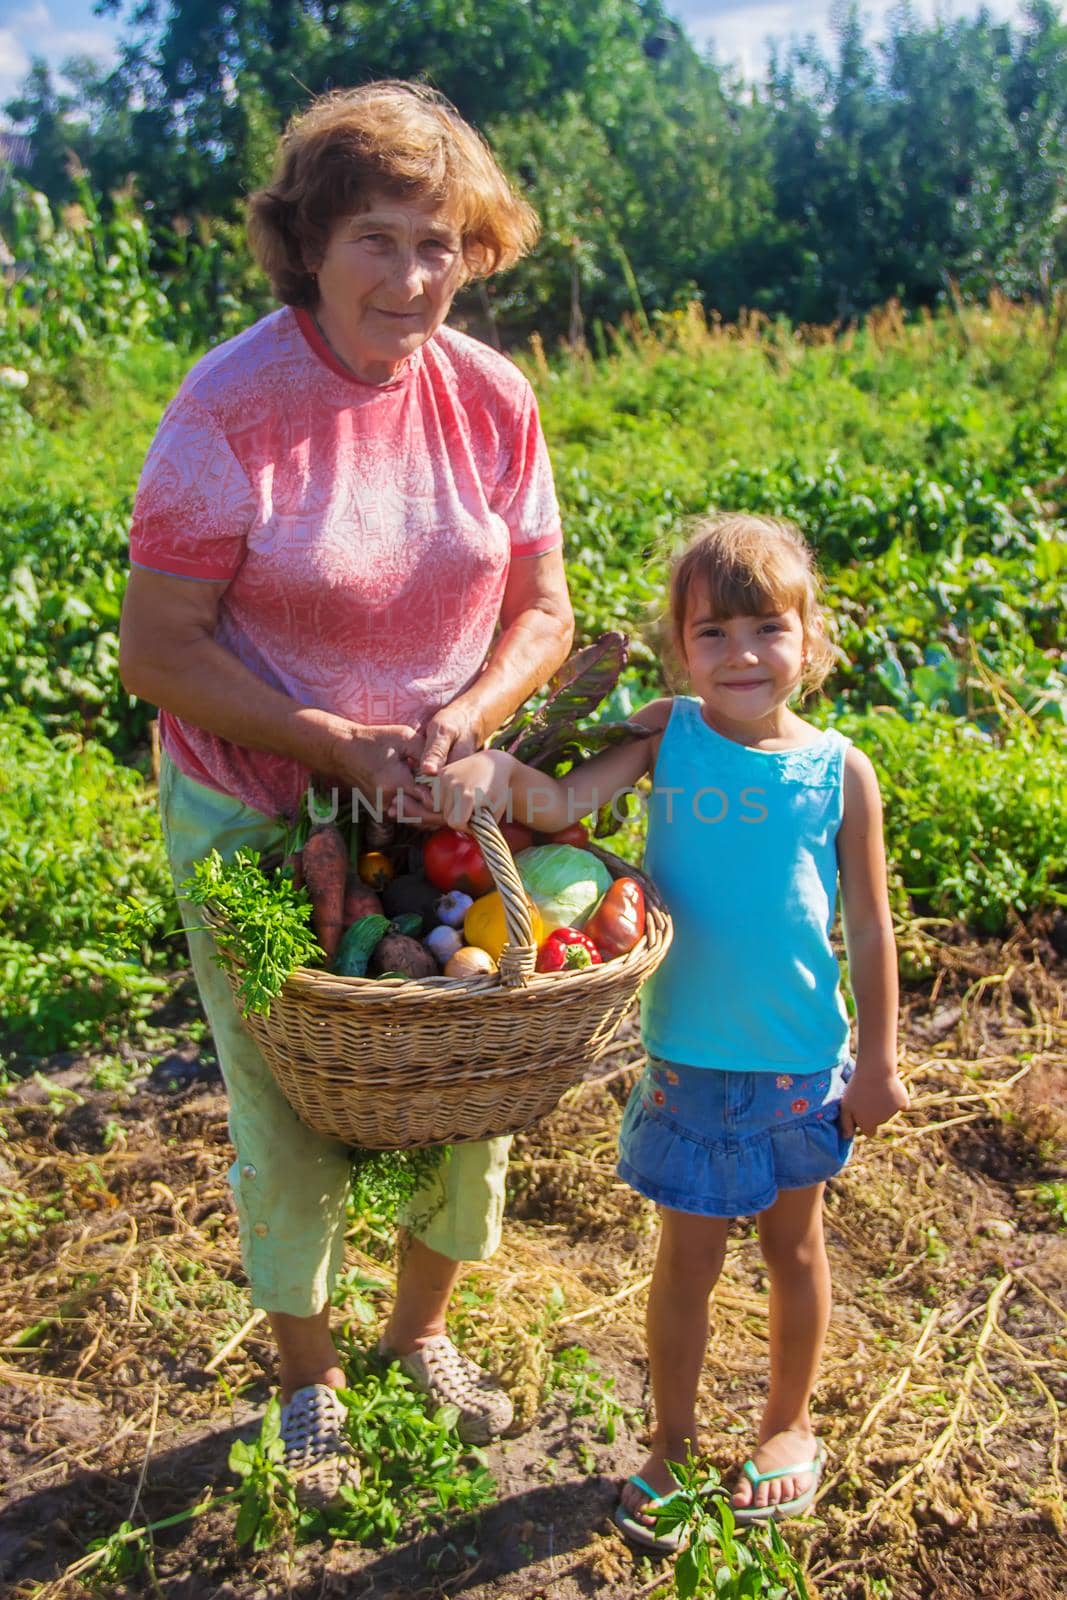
940 1401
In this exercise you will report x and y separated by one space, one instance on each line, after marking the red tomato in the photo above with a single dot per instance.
452 860
577 834
519 837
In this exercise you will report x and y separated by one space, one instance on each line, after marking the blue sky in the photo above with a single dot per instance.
58 29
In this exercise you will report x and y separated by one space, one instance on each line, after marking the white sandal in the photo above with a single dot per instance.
449 1377
318 1457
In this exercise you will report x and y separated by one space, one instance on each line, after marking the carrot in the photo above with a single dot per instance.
325 867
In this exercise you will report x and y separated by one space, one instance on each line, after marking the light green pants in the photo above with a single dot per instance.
290 1184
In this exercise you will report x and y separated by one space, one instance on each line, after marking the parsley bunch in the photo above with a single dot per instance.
264 923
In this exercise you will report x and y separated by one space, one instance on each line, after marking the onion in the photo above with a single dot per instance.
470 962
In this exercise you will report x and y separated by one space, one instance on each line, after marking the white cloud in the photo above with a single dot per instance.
739 34
54 32
14 64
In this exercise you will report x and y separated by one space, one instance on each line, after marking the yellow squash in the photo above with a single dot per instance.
484 924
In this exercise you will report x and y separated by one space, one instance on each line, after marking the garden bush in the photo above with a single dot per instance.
78 833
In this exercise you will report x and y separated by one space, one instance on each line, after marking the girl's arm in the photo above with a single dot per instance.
875 1091
493 781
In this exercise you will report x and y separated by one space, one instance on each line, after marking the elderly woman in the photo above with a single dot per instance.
346 560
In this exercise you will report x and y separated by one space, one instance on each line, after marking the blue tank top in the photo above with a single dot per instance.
742 847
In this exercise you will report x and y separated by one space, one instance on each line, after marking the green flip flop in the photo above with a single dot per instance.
782 1508
664 1544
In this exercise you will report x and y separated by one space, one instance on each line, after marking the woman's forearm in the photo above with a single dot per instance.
208 685
521 661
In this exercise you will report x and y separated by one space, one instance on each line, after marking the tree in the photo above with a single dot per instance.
846 178
60 137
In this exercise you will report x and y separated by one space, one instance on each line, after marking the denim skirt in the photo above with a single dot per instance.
722 1144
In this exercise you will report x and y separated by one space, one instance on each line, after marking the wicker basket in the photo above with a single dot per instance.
392 1064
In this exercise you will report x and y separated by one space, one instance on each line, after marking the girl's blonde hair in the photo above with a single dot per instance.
753 566
394 138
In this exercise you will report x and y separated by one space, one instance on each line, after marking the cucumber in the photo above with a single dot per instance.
357 946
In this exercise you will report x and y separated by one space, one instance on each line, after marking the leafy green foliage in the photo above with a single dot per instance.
62 571
975 824
590 1392
413 1467
719 1561
262 922
938 529
267 1499
88 283
1053 1196
77 833
23 1217
840 181
385 1181
575 691
571 722
118 1555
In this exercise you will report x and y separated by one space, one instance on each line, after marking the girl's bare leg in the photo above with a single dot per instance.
688 1262
791 1238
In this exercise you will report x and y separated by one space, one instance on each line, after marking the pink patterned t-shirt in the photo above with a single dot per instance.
365 531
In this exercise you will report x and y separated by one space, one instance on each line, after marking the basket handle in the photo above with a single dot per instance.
519 955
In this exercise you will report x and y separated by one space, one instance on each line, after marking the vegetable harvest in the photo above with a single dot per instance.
485 925
368 900
360 901
358 945
452 860
470 962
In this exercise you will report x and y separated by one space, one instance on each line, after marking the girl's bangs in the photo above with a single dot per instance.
751 588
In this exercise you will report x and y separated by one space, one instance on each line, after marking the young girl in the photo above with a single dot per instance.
751 1097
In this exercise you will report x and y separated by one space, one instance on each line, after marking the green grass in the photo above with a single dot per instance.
975 825
78 832
93 424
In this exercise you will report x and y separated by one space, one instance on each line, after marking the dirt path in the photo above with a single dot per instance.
119 1284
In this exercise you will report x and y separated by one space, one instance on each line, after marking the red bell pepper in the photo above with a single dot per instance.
567 950
619 920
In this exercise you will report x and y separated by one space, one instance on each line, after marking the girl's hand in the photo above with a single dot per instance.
477 783
871 1098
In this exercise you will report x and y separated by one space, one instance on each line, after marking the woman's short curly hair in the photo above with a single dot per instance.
752 566
388 138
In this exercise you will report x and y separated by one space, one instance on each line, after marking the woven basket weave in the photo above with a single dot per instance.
388 1064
